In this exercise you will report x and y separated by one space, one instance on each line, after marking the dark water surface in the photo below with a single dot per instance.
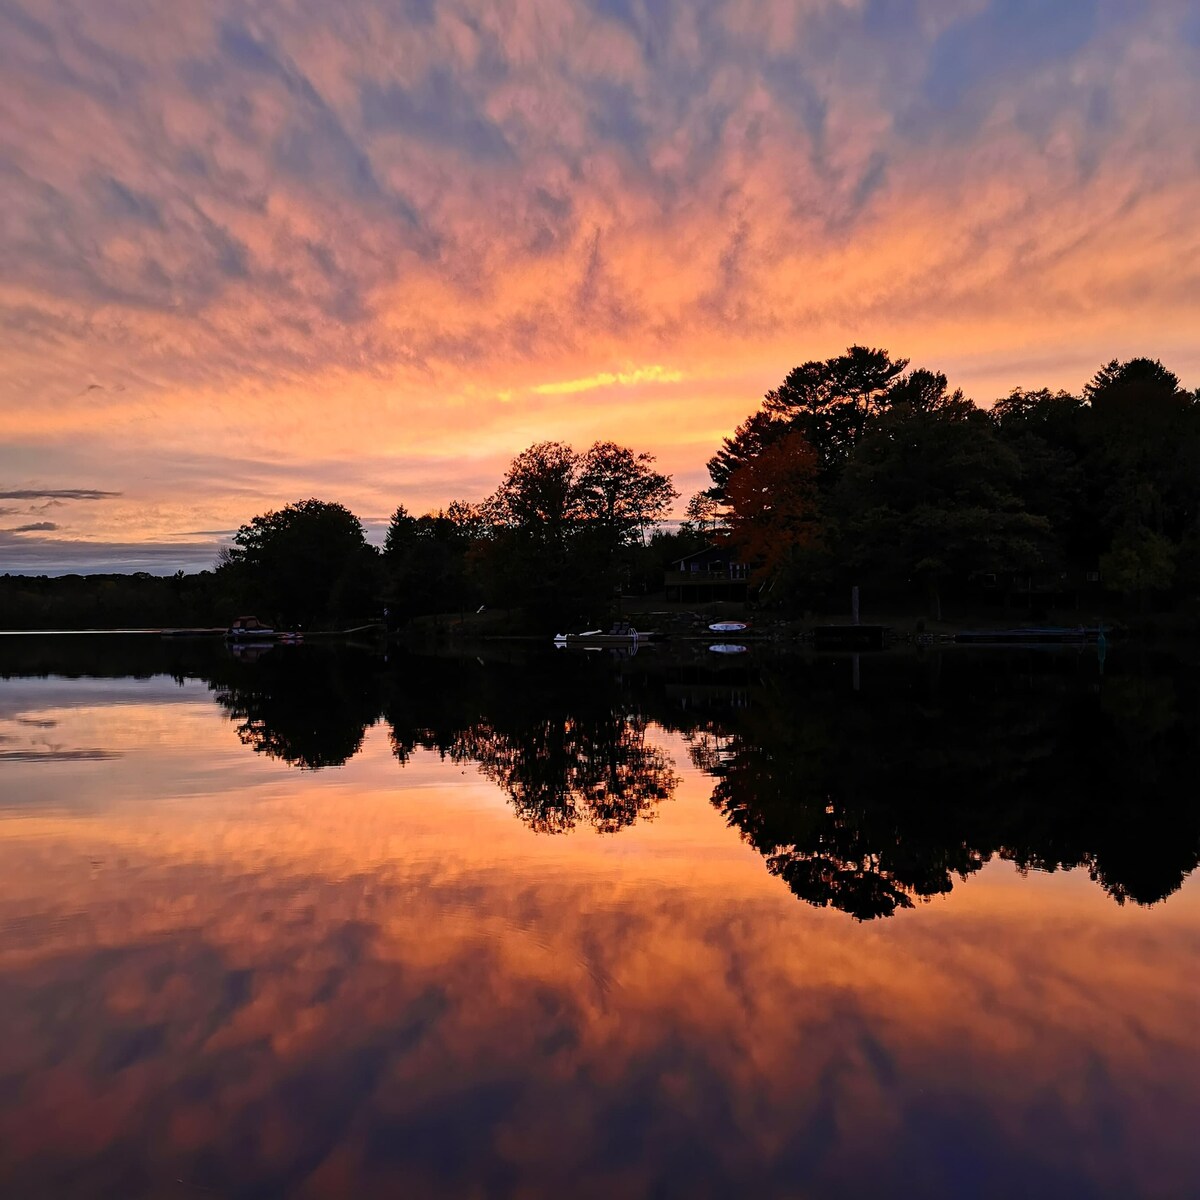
317 923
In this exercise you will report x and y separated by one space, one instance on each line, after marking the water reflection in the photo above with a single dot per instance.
864 798
222 975
565 756
865 801
308 709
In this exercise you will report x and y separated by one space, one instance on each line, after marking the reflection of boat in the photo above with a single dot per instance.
728 626
251 629
246 651
728 648
621 634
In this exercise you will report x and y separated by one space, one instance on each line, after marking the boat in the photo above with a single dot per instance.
728 648
244 628
621 634
728 626
251 629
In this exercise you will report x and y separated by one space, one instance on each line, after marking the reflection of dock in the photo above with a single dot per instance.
696 696
1040 635
851 637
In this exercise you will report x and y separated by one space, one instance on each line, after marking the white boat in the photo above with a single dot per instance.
728 648
728 626
251 629
621 634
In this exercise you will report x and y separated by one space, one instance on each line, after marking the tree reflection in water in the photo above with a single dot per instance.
566 755
566 772
307 705
869 802
865 801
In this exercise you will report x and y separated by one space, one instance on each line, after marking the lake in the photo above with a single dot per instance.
321 922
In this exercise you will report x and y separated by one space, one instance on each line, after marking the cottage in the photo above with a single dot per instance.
713 573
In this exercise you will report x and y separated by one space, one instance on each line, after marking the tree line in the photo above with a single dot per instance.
563 534
855 469
858 469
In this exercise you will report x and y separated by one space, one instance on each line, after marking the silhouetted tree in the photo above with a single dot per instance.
561 520
831 403
429 561
307 562
1045 430
1144 446
621 492
703 515
1139 561
929 496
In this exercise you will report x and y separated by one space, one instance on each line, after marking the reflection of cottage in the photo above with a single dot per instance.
710 574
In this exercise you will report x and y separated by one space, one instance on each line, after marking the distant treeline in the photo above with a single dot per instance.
854 470
136 601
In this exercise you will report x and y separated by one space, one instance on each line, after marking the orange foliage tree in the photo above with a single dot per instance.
773 511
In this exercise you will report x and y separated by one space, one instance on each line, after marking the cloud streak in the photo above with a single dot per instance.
57 494
606 379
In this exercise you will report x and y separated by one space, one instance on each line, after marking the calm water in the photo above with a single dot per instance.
320 924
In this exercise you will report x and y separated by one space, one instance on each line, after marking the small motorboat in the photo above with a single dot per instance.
728 648
728 627
251 629
621 634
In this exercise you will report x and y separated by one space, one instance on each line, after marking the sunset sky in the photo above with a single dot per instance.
369 250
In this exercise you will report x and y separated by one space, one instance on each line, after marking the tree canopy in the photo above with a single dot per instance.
832 403
915 486
304 562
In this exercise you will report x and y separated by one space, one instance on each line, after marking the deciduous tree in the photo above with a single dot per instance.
773 510
308 561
